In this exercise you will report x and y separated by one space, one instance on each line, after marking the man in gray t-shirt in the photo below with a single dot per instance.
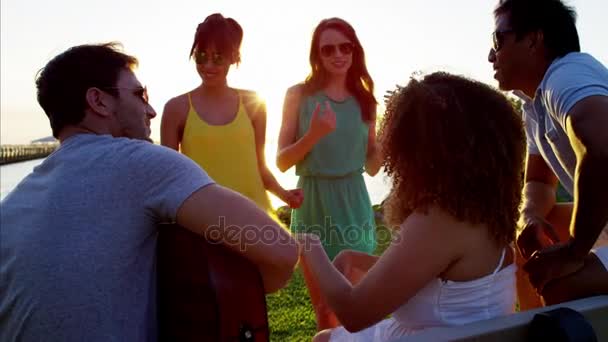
536 52
78 235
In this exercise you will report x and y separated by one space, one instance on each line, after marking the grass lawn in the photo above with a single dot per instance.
290 313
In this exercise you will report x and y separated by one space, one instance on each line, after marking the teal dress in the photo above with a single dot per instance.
336 203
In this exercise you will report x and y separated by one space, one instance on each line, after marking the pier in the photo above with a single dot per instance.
18 153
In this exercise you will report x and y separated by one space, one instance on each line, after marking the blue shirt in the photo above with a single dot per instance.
78 240
567 81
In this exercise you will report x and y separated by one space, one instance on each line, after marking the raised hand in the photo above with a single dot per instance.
323 120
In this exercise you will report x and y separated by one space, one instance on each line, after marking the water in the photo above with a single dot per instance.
11 174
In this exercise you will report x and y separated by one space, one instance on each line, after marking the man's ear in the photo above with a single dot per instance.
101 103
536 40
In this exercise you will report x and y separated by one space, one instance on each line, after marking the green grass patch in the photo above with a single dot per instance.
290 313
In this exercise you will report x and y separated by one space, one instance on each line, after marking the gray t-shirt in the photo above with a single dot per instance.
567 81
78 240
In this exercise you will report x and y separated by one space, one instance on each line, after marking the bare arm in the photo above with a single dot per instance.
173 122
388 284
587 124
539 199
354 264
349 258
226 216
535 231
259 126
291 150
539 188
373 160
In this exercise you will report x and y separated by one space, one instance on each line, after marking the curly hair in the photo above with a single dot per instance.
457 144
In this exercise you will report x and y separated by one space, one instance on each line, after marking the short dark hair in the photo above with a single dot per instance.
556 20
456 144
225 34
62 84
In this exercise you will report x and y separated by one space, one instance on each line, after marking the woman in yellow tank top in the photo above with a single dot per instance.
221 128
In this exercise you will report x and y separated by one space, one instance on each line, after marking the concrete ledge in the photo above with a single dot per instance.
515 327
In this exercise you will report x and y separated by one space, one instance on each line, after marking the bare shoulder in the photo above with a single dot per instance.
177 106
439 233
437 221
293 95
250 97
248 94
295 90
432 215
255 105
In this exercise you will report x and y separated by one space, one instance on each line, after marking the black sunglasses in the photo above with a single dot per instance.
330 49
202 58
141 92
498 38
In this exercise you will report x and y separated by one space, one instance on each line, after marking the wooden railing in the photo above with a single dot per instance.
17 153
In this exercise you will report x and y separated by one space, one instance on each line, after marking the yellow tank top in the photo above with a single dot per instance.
227 153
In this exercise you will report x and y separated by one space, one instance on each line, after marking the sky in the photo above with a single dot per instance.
399 36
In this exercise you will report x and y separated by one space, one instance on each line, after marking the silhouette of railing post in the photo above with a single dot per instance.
17 153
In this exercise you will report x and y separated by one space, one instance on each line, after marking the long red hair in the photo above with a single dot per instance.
358 80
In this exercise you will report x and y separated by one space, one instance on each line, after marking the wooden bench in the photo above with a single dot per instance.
516 327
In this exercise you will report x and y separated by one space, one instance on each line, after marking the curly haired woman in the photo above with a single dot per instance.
455 152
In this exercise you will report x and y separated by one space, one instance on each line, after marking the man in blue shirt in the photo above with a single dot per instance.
79 234
536 53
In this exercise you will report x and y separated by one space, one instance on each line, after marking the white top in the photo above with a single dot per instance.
446 302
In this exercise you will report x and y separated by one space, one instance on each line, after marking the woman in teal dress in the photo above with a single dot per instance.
329 133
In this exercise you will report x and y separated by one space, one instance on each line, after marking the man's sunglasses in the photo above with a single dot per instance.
498 38
330 49
202 58
141 92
